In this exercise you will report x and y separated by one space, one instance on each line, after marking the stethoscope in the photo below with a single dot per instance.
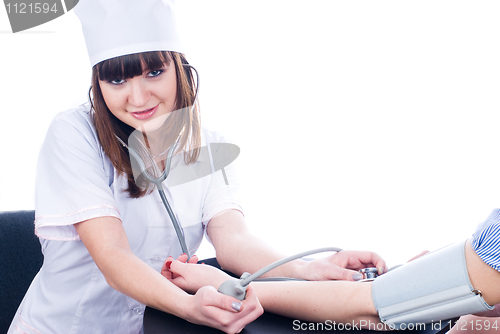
158 181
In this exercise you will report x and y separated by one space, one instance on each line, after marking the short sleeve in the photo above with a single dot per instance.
222 193
73 183
486 240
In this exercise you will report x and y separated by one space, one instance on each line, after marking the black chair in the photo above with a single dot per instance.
22 257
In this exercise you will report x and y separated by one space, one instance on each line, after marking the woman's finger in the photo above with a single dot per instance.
368 259
227 313
193 259
223 302
250 310
379 263
177 267
165 269
183 257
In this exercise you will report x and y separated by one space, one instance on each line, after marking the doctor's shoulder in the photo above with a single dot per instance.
73 126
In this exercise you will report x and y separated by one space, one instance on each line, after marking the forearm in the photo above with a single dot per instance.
318 301
129 275
107 243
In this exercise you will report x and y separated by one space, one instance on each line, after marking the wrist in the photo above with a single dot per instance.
183 307
216 283
210 276
171 299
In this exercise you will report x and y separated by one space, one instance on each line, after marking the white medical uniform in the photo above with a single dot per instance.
76 182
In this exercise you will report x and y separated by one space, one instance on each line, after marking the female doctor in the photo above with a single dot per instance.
104 237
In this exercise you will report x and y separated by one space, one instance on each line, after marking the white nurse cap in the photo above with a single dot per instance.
115 28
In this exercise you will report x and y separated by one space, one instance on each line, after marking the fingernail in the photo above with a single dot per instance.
236 306
168 264
381 270
357 276
183 254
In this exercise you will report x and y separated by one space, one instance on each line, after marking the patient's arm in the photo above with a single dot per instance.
339 301
482 276
347 301
486 279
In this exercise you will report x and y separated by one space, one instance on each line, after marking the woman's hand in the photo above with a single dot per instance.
343 265
211 308
190 276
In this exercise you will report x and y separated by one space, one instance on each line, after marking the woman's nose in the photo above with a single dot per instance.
139 94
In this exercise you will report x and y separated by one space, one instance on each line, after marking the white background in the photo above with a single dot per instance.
362 124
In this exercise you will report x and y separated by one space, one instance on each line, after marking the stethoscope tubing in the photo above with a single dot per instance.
175 223
257 274
158 182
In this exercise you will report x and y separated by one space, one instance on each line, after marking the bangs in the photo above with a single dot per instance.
129 66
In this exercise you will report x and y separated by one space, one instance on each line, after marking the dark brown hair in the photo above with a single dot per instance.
107 125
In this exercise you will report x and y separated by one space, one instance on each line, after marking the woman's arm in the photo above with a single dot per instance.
237 250
108 245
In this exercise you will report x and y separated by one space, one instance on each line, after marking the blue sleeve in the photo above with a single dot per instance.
486 240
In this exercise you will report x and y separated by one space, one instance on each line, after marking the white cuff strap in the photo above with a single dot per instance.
433 287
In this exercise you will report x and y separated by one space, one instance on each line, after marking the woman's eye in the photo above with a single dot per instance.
117 81
155 73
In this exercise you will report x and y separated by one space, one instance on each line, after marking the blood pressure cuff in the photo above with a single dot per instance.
433 287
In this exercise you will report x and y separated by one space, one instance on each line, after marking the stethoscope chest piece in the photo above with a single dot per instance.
369 274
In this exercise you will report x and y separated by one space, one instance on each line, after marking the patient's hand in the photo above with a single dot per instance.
183 258
190 277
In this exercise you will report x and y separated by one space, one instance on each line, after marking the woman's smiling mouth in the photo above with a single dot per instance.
144 114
